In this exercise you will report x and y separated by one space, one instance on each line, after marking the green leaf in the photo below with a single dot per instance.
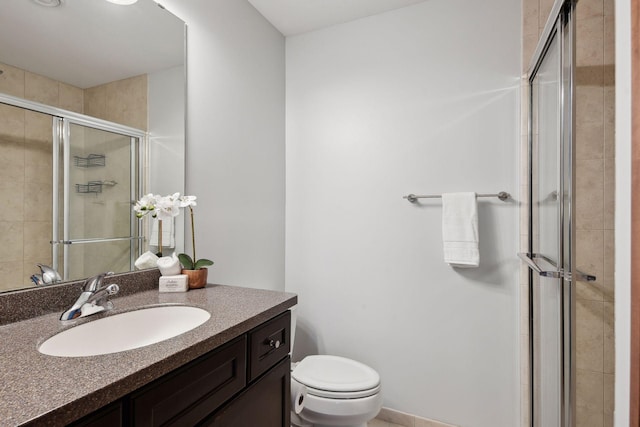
186 261
202 263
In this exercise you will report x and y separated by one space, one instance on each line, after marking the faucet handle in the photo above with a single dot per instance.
92 284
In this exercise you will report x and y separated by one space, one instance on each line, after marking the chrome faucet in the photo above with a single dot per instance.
93 299
48 276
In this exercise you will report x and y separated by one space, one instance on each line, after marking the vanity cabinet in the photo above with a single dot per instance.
245 382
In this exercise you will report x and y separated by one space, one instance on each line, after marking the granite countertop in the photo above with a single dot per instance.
36 389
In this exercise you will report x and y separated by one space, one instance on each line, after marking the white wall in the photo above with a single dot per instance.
423 99
623 210
166 95
235 139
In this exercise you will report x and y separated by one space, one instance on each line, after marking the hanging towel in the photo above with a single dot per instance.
168 234
460 229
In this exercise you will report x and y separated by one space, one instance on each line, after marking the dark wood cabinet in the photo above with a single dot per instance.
109 416
191 393
245 382
266 403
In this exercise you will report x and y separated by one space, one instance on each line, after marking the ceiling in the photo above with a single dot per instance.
293 17
89 42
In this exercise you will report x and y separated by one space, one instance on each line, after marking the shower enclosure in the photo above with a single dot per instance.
551 255
92 167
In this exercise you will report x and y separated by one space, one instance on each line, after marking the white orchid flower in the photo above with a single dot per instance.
168 207
188 201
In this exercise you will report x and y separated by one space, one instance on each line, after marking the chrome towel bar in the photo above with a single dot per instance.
503 195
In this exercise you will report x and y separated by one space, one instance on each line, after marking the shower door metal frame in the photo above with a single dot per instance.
561 24
136 147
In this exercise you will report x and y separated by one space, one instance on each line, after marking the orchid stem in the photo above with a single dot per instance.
193 237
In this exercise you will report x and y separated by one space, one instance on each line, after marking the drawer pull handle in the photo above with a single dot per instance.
274 344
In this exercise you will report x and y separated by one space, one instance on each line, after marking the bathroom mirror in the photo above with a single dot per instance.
121 64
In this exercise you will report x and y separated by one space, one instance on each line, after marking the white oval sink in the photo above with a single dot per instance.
125 331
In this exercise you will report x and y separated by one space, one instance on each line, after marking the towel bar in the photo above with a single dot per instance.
503 195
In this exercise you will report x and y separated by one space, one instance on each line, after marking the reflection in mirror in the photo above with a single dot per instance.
123 65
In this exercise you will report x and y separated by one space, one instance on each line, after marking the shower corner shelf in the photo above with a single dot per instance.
90 187
92 160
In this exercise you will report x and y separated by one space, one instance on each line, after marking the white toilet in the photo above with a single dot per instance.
339 391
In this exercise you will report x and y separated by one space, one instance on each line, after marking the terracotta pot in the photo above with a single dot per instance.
197 278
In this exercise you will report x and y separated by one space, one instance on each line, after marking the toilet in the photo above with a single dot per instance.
339 391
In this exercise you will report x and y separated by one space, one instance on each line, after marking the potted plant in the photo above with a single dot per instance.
160 208
167 207
194 268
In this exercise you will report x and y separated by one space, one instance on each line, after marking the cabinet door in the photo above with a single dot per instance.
109 416
266 403
193 392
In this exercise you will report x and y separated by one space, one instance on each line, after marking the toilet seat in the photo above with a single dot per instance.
336 377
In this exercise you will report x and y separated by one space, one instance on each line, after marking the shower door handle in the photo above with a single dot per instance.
529 259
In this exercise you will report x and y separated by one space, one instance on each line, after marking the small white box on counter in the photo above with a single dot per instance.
179 283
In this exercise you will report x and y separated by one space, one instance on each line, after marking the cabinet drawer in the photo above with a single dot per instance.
268 344
189 394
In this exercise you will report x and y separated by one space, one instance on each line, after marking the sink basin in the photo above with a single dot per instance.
125 331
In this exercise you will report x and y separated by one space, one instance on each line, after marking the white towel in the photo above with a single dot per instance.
460 229
168 235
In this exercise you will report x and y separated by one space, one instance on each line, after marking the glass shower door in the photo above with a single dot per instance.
551 231
97 184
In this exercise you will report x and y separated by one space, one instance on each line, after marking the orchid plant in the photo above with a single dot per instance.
167 207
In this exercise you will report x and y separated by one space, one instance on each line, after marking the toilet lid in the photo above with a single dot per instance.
334 373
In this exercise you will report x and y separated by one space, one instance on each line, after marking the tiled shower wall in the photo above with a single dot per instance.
594 217
25 159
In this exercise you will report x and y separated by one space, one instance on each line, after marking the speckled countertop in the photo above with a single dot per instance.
36 389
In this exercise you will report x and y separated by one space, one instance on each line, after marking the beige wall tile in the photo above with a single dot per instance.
590 41
545 9
530 17
589 9
12 275
38 148
609 40
71 98
12 80
95 102
609 194
609 122
587 417
127 102
37 203
589 252
37 235
12 241
11 123
589 335
529 43
590 194
589 387
609 338
40 89
609 8
609 390
11 199
609 255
